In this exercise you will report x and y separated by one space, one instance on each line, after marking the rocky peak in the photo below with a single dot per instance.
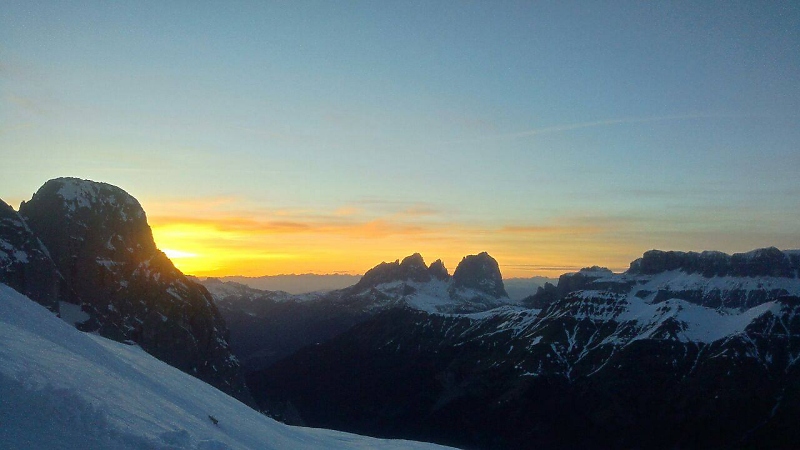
99 240
438 271
412 268
92 217
480 272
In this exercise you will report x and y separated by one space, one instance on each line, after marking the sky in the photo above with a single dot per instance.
325 137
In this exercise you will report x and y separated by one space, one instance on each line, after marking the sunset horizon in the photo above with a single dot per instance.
318 138
416 224
220 244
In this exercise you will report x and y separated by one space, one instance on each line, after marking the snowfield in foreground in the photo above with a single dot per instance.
64 389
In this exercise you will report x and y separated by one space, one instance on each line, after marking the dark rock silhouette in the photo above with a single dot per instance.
480 272
25 263
438 271
761 262
98 237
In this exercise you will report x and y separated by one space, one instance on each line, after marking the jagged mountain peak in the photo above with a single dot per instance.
478 287
438 271
412 268
480 272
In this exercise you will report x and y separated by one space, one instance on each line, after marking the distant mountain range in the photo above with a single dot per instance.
682 350
517 288
295 284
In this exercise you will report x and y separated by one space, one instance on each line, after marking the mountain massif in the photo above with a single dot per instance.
268 326
683 350
84 249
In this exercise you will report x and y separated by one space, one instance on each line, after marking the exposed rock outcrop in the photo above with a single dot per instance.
438 271
761 262
25 263
480 272
99 240
412 268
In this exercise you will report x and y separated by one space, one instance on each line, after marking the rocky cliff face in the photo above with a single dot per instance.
767 262
481 273
711 279
25 263
438 271
98 237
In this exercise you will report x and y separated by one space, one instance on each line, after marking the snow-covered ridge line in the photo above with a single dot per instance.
649 309
62 388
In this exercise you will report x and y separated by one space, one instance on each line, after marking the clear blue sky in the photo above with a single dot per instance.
548 133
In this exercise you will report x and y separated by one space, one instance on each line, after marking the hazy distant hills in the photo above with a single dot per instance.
296 284
517 288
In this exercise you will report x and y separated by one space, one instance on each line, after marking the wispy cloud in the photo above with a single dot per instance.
593 124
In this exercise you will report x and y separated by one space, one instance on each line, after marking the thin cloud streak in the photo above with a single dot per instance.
593 124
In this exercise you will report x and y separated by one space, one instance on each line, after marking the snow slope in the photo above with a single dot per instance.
436 297
64 389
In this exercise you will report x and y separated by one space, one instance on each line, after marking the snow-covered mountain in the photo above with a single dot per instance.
64 389
266 326
85 250
671 356
476 285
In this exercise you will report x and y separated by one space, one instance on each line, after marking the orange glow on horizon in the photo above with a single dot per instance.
229 236
248 247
